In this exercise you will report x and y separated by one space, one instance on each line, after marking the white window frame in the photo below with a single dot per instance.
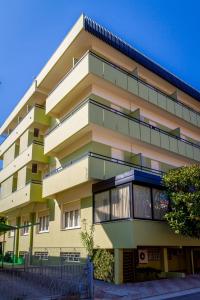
42 216
25 230
71 209
70 257
11 233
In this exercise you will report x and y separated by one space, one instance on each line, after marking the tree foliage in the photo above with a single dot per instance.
183 188
102 259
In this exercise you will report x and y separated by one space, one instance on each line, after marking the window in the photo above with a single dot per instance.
101 207
42 255
23 253
120 202
160 203
142 202
44 223
36 132
70 256
71 219
154 254
25 229
34 168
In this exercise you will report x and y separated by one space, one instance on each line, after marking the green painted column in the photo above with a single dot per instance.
32 221
118 266
17 237
165 267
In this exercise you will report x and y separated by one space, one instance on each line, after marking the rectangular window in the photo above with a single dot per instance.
120 202
160 204
142 202
71 219
23 253
41 255
44 223
25 229
70 256
36 132
34 168
101 207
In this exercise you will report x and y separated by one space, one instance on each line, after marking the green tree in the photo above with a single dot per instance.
102 259
183 188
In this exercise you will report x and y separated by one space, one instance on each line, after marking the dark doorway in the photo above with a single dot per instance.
128 265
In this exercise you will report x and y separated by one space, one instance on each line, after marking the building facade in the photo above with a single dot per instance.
90 140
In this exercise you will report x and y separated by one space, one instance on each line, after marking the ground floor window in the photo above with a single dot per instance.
25 228
142 202
23 253
71 219
102 206
120 202
43 223
160 203
130 200
70 256
41 255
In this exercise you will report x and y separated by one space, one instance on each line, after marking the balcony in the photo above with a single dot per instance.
92 112
90 166
32 192
35 116
35 152
90 63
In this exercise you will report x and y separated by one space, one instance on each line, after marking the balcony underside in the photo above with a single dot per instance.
32 192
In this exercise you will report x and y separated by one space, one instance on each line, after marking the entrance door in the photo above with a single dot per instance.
128 265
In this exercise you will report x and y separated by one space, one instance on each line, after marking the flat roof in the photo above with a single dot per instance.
120 45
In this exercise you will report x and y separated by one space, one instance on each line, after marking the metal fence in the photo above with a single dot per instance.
39 280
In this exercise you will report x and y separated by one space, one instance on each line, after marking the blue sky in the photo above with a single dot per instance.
165 30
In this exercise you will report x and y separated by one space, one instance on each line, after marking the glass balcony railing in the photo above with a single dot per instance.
125 124
103 158
126 80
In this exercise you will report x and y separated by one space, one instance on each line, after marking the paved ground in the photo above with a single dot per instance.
149 289
195 296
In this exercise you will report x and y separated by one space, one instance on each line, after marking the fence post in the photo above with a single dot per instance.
90 277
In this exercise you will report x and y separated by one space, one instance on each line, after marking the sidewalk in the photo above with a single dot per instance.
148 289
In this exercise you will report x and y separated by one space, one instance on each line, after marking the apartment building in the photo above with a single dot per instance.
90 140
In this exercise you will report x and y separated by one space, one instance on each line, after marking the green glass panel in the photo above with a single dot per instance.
134 129
143 91
178 110
196 154
132 85
123 125
173 143
181 148
109 73
189 151
162 101
95 65
164 141
186 114
170 105
155 137
95 114
145 133
110 120
121 79
96 168
153 96
193 117
198 120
